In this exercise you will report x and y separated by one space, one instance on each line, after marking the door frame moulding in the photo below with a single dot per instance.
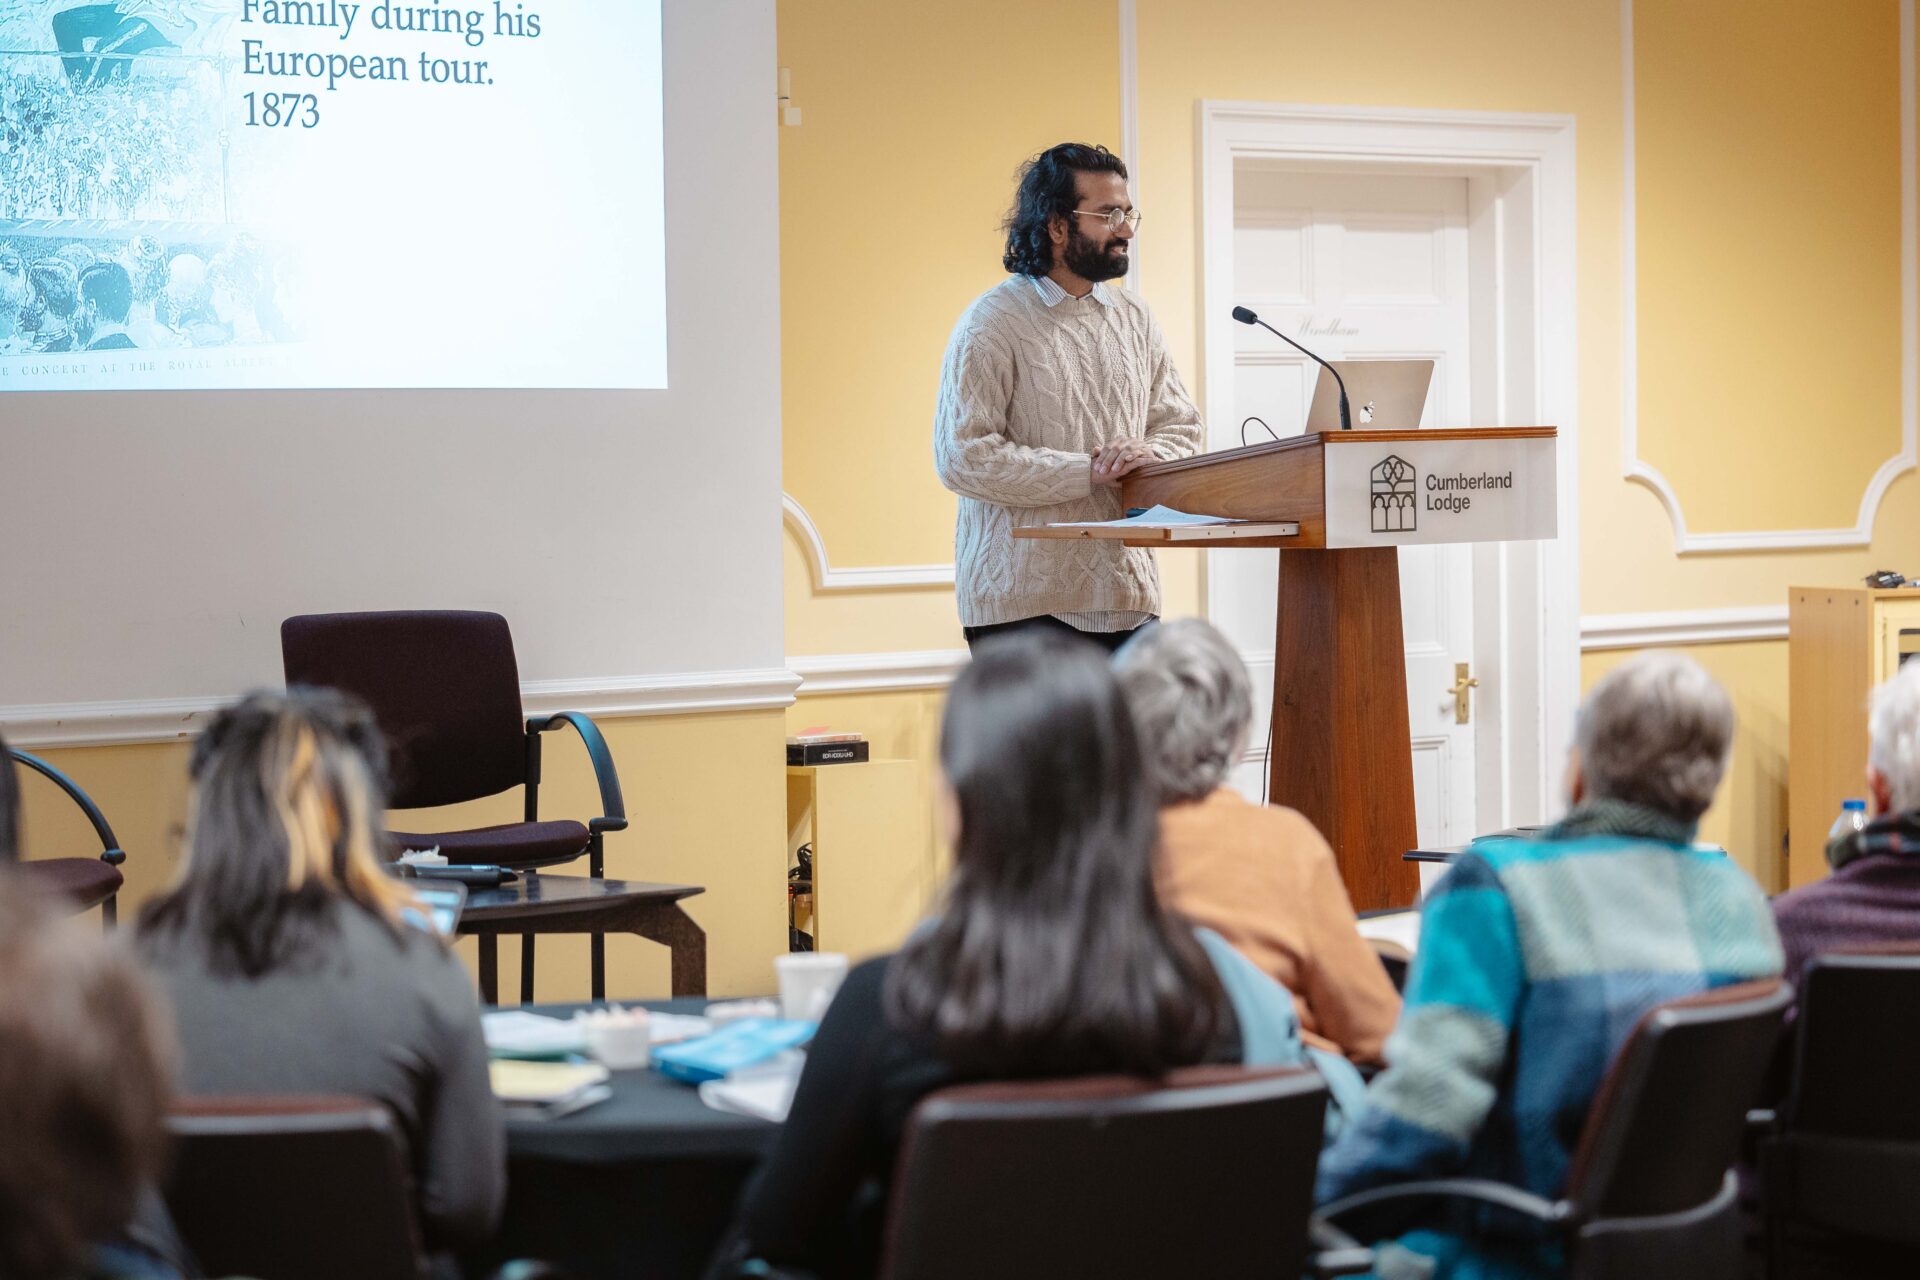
1640 471
1526 621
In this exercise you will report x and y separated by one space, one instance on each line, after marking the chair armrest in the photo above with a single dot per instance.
760 1269
1335 1253
530 1269
1763 1123
110 850
1551 1213
613 809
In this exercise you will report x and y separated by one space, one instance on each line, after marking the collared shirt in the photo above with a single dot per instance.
1102 620
1053 295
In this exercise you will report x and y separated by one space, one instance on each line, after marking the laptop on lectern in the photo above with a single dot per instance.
1384 395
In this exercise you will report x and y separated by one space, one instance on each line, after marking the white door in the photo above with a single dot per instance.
1356 266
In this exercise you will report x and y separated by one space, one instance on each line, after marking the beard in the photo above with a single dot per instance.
1091 262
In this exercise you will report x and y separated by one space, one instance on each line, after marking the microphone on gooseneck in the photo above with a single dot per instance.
1245 316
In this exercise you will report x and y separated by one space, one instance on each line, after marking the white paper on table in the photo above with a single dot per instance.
1400 927
764 1092
518 1032
664 1028
1155 517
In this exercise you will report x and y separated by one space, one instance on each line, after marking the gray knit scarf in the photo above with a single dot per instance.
1621 818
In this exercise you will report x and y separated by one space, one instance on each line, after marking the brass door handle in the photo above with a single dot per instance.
1462 699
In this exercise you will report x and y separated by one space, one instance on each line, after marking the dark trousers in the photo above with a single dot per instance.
1108 640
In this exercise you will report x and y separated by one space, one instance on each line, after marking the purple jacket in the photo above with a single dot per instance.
1874 898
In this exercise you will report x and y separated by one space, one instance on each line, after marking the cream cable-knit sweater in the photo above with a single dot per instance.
1027 393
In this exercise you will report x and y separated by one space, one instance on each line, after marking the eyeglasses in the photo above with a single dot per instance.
1113 217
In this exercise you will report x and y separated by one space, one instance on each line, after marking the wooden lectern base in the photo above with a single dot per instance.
1342 749
1342 753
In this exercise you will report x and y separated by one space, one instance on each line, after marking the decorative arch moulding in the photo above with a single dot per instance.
1639 471
827 578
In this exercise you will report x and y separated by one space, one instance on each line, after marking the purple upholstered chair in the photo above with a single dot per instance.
85 882
445 688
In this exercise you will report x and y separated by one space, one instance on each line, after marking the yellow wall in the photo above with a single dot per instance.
891 196
1769 256
1766 185
704 794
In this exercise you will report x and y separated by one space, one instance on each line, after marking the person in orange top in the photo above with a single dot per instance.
1262 878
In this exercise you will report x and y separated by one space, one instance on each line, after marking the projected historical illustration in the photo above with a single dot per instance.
114 226
291 193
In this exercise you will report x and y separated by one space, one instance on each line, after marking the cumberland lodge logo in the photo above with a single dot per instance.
1395 507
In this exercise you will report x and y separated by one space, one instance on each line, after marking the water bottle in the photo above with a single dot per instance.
1853 817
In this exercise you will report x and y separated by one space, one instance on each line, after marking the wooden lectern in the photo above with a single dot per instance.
1338 504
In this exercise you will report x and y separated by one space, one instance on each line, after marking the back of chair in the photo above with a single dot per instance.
1856 1045
443 685
297 1188
1210 1174
1666 1125
1848 1154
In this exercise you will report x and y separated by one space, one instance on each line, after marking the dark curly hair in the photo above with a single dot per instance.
1046 190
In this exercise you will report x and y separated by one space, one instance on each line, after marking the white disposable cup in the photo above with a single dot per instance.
620 1047
808 980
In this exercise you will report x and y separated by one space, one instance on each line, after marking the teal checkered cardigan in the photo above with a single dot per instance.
1536 959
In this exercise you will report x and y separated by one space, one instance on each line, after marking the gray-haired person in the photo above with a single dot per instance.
1262 878
1873 895
1538 956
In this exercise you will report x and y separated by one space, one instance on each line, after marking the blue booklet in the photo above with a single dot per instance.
742 1044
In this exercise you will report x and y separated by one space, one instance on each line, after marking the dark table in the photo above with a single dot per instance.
537 903
641 1185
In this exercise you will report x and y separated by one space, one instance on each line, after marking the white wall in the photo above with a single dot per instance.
151 543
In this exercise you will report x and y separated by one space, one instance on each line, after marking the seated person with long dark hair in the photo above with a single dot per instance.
1050 956
290 966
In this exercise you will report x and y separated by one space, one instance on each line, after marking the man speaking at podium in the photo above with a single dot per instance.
1055 386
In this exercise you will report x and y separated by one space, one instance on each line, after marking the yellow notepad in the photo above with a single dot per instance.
543 1082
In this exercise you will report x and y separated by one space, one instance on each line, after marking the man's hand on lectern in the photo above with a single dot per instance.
1119 458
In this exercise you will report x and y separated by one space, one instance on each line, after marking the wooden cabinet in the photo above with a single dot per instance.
1842 641
871 829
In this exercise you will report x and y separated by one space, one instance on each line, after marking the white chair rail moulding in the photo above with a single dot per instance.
84 724
1683 627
